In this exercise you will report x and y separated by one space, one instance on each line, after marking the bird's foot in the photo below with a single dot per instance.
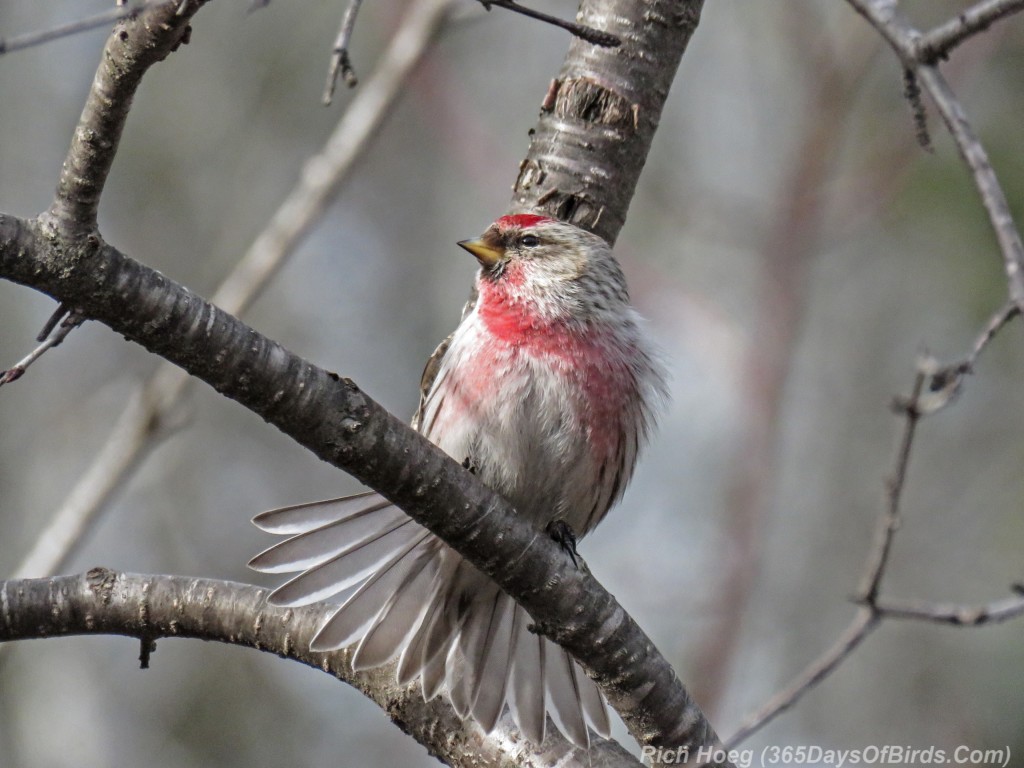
565 537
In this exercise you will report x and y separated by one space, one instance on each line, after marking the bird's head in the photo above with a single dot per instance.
555 268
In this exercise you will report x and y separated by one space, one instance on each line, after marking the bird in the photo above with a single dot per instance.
547 390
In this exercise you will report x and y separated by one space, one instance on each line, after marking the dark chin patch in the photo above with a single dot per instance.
496 272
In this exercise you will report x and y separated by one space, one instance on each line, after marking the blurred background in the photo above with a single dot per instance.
792 246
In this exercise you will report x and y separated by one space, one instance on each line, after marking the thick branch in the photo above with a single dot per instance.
151 607
599 116
343 426
143 422
133 47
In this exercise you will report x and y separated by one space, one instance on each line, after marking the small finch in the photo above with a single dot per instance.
546 390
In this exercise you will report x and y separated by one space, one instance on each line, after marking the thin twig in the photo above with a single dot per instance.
591 35
340 60
53 333
994 325
889 520
937 43
30 39
992 195
945 382
865 621
872 608
144 423
949 613
868 616
902 37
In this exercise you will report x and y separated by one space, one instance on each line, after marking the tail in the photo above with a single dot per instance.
407 595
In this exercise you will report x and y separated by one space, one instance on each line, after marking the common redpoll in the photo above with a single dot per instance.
546 389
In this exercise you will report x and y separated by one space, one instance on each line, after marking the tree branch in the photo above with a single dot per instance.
102 19
600 114
144 421
133 47
873 609
147 607
903 39
936 44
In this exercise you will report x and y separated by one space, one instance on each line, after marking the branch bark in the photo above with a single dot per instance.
135 46
151 408
147 607
600 114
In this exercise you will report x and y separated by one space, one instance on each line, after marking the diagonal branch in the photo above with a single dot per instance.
600 114
144 421
936 44
153 607
589 34
339 423
133 47
102 19
991 191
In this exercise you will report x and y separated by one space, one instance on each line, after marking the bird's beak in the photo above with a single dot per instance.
486 254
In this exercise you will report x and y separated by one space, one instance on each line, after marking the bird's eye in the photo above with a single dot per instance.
529 241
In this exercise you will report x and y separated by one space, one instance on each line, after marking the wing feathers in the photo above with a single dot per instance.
399 616
526 695
348 568
300 518
362 607
415 599
564 697
315 547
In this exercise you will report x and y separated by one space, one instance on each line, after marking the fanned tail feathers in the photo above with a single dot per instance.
410 596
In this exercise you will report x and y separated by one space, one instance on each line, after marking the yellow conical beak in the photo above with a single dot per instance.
486 254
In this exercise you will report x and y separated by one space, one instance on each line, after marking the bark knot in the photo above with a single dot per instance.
581 98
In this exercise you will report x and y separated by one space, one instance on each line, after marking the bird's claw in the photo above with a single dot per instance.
565 537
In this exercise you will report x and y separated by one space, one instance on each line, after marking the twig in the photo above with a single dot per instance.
902 37
945 383
865 621
937 43
340 60
912 93
30 39
950 613
868 617
889 520
591 35
144 422
872 608
994 325
992 195
60 324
